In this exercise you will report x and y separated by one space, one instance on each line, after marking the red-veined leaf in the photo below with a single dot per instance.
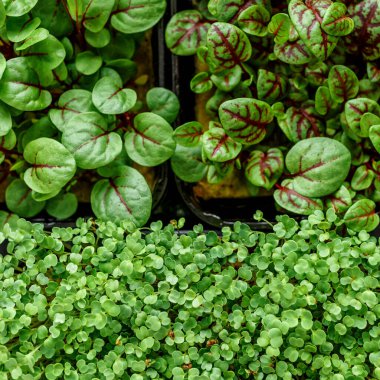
362 216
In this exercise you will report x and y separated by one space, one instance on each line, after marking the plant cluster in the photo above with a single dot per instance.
293 101
69 106
101 301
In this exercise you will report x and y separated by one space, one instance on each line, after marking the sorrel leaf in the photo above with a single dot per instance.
110 98
362 178
126 196
293 52
7 143
307 18
254 20
335 21
88 63
228 45
343 83
271 87
90 140
319 165
163 103
323 101
63 206
188 134
96 13
19 28
71 103
19 7
288 198
279 26
134 16
264 168
218 146
362 216
228 79
185 32
187 163
18 198
340 201
201 83
150 140
20 87
373 71
52 165
5 119
374 136
35 37
245 120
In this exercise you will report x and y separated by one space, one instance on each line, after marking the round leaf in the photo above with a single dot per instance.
319 166
150 141
201 83
188 134
271 87
19 7
253 20
62 206
335 21
124 197
293 52
19 28
96 14
52 165
88 63
362 178
279 26
362 216
163 102
340 201
343 83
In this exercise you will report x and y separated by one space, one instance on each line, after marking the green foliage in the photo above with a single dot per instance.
106 301
71 101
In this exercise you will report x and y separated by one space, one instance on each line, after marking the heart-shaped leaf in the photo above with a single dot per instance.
279 26
323 101
188 134
19 7
62 206
52 165
264 168
201 83
288 198
5 119
19 28
163 103
89 139
20 87
227 80
245 120
293 52
362 178
96 14
254 20
354 109
374 136
187 163
340 201
18 198
126 196
7 143
335 21
110 98
134 16
271 87
185 32
319 165
150 141
343 83
218 146
228 45
71 103
362 216
366 17
307 18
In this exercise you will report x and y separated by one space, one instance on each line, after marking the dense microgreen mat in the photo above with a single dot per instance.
100 301
291 90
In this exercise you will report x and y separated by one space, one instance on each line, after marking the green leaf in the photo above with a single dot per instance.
3 65
201 83
228 79
111 308
52 165
343 83
335 21
323 100
293 52
374 136
319 166
186 32
62 206
126 196
5 120
264 168
150 141
19 7
228 45
98 40
245 120
20 28
289 199
35 37
88 63
20 87
2 15
134 16
88 137
279 26
18 198
271 87
70 104
340 201
163 103
188 134
96 14
362 216
362 178
187 163
307 19
110 98
218 146
253 20
7 143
